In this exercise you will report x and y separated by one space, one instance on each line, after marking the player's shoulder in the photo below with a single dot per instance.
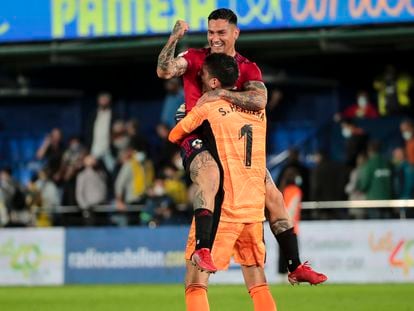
196 53
243 60
248 68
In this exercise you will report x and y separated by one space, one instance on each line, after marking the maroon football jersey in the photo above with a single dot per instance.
248 71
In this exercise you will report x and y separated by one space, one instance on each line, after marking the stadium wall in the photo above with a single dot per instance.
347 251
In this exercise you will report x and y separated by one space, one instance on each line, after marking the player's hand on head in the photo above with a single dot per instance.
208 97
179 30
180 113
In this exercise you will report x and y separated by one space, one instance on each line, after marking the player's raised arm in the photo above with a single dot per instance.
169 66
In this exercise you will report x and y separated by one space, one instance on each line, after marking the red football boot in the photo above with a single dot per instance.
201 258
304 273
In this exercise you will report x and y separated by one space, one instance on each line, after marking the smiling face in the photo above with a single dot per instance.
222 36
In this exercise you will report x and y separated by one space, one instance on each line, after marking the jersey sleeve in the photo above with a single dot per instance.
189 123
253 73
188 55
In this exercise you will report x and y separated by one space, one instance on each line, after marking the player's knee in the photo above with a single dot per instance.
194 276
194 287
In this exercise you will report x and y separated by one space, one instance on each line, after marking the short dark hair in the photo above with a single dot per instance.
224 13
222 67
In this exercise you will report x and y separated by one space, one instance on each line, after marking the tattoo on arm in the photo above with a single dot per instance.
199 200
167 55
253 96
167 64
280 225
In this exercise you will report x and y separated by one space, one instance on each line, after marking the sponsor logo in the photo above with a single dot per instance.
401 252
197 143
315 9
323 10
378 7
264 11
24 258
128 258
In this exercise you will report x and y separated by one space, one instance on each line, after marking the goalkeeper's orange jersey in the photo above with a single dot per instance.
240 137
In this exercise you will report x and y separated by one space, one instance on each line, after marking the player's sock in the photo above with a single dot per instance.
262 298
288 242
203 227
196 298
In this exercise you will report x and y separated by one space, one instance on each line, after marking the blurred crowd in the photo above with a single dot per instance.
369 171
114 168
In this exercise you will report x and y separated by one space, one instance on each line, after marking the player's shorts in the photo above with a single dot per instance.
245 242
191 146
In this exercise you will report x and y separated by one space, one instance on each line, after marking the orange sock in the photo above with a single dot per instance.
262 299
196 298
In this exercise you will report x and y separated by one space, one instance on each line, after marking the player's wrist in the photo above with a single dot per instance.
175 37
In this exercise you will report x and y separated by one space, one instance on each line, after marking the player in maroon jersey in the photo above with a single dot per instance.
251 94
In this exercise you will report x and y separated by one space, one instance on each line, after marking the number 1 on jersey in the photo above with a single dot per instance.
247 131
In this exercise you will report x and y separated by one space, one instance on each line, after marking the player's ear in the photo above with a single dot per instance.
213 83
236 33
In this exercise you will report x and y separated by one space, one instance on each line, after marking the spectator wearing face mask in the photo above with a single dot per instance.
407 132
355 141
134 178
91 188
72 163
361 109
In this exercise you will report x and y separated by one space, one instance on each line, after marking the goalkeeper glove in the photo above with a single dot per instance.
180 113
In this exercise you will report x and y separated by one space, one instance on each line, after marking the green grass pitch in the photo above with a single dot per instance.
387 297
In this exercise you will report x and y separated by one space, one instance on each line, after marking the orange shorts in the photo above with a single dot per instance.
245 242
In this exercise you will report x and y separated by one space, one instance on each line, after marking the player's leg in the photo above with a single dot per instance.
196 283
250 253
281 224
255 280
205 175
282 228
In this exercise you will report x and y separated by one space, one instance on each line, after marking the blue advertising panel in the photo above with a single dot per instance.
129 255
28 20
